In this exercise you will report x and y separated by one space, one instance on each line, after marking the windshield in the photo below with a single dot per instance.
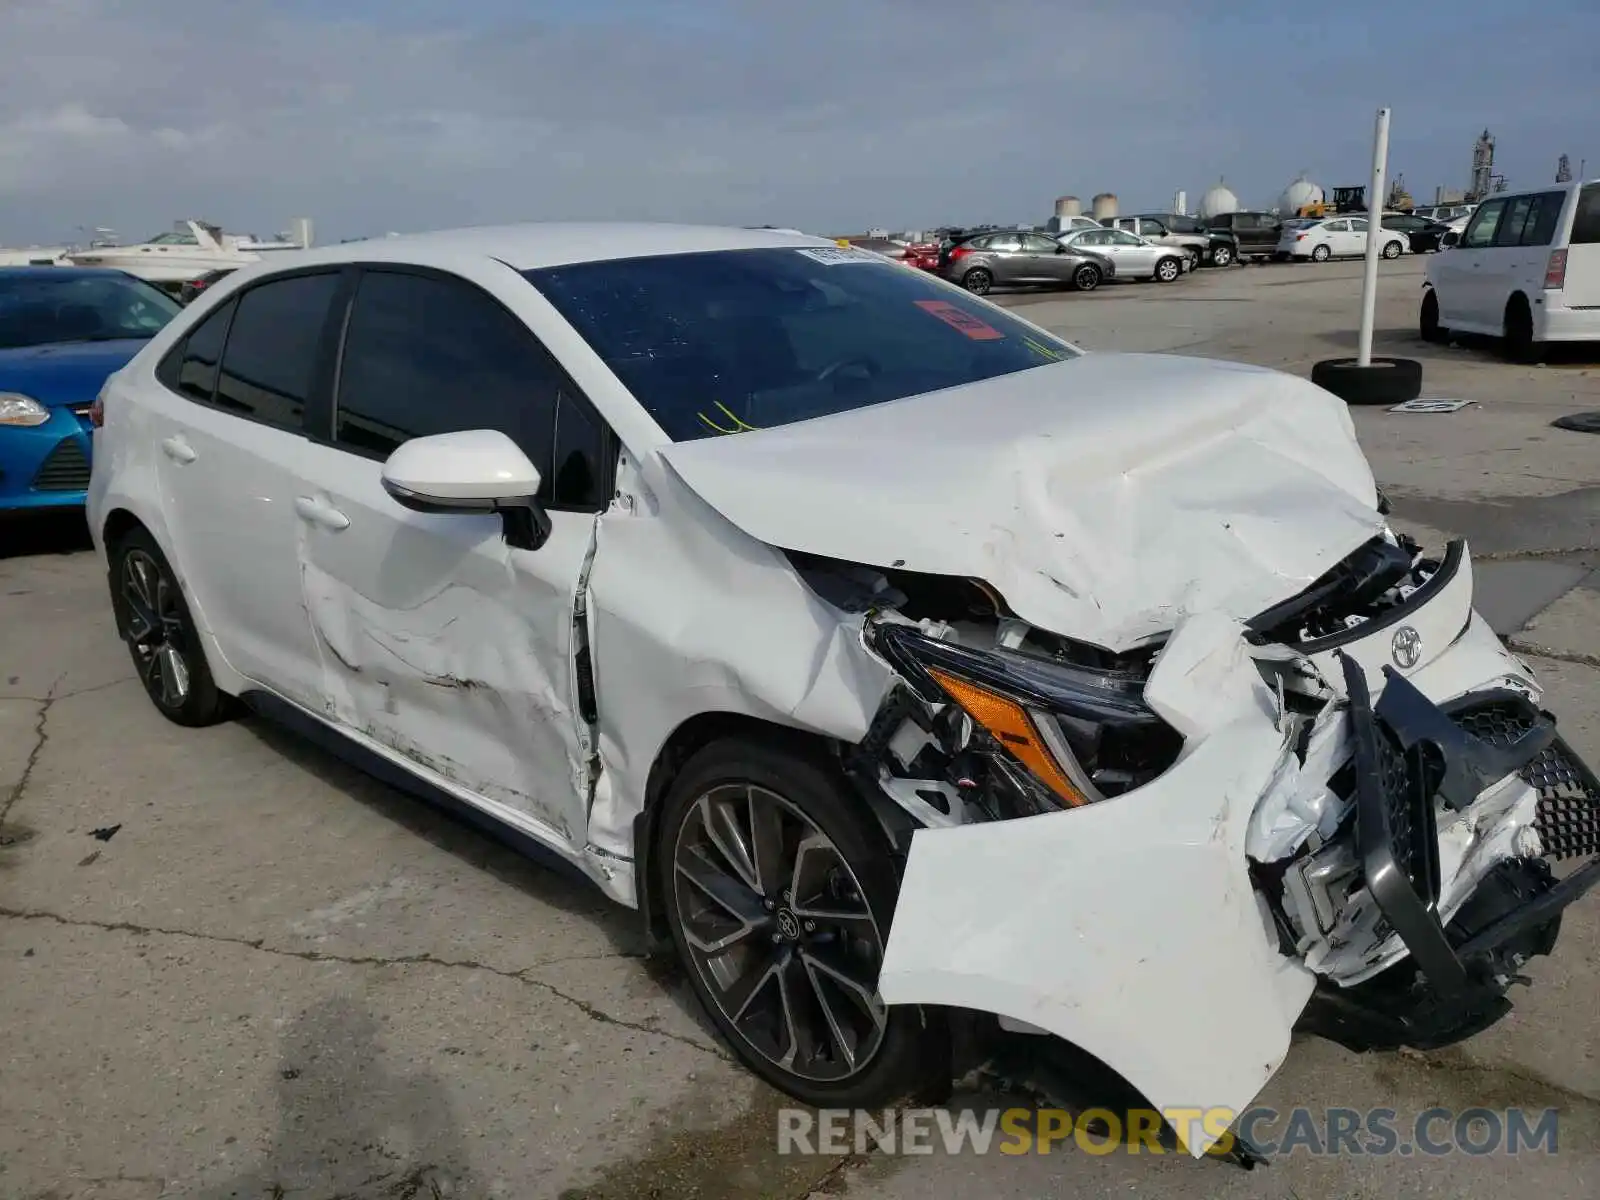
734 340
40 308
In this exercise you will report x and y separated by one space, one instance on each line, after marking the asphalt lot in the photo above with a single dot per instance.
281 978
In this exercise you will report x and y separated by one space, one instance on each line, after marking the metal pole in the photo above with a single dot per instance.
1369 279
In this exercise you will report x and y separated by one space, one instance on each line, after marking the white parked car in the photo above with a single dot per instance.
1134 257
1334 237
1526 268
893 656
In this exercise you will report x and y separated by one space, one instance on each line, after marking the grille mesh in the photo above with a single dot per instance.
65 469
1407 840
1569 811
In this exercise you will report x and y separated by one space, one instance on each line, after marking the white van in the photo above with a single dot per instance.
1526 268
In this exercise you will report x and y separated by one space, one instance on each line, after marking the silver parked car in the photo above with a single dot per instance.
1013 256
1135 258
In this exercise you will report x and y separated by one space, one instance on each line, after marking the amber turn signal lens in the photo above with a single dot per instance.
1013 729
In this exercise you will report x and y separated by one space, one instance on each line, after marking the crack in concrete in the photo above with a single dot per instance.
1577 657
41 736
57 697
592 1011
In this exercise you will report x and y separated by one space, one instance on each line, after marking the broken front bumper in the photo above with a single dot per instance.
1415 761
1139 930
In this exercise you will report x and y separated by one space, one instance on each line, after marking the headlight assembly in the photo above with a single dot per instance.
17 409
1048 734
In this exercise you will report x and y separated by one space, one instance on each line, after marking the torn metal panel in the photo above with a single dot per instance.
1129 927
691 616
449 647
1105 497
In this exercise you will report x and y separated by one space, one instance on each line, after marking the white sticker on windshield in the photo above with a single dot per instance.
831 257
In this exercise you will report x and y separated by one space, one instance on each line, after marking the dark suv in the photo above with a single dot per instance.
1250 235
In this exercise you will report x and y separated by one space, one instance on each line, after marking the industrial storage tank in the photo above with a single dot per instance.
1069 206
1299 194
1105 206
1217 201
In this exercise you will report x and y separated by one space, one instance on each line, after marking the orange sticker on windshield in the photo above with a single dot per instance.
959 318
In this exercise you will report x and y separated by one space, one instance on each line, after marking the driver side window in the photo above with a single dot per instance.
425 354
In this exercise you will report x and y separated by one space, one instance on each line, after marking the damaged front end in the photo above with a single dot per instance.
1176 855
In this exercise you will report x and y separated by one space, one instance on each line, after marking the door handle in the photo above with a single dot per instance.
178 450
321 514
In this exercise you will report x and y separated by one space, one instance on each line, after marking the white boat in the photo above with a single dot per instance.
189 249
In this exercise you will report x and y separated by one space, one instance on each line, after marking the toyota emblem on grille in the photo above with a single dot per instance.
1407 647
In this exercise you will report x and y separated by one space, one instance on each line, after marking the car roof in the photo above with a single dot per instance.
547 244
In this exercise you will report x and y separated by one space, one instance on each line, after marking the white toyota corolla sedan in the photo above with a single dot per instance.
894 657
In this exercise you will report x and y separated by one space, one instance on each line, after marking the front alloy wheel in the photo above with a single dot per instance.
778 929
1168 269
778 887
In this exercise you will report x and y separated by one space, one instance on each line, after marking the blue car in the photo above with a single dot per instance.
62 331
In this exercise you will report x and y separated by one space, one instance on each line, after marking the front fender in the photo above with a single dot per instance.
1130 927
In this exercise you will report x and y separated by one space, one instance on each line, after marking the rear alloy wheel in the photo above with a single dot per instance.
1168 269
1391 249
1221 256
1321 254
779 890
977 281
153 618
1086 278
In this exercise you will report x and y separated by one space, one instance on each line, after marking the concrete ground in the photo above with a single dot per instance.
279 978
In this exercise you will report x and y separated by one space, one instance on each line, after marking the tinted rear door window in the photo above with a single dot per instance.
197 369
426 355
1509 232
271 357
1540 227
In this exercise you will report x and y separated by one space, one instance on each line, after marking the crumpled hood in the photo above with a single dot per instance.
64 372
1105 497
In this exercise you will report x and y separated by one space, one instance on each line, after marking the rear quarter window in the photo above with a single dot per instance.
1586 219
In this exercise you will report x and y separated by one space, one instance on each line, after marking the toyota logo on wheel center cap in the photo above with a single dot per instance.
1406 647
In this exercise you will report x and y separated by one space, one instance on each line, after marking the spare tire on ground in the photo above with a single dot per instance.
1384 381
1584 422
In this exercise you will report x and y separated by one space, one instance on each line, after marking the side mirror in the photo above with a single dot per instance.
1060 249
1451 238
474 471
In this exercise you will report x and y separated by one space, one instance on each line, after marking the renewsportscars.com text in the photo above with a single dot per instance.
1329 1131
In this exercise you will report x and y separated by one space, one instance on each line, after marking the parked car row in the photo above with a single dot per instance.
1081 259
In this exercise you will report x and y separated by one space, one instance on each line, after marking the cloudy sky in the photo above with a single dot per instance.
833 115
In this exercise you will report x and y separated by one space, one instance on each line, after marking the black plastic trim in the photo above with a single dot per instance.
1413 917
1454 555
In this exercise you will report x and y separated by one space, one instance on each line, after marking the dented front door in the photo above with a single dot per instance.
444 644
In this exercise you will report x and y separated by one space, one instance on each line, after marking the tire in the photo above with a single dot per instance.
1386 381
1192 259
1392 249
1168 270
1222 256
1086 278
847 870
1518 344
153 618
1428 323
1321 254
978 281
